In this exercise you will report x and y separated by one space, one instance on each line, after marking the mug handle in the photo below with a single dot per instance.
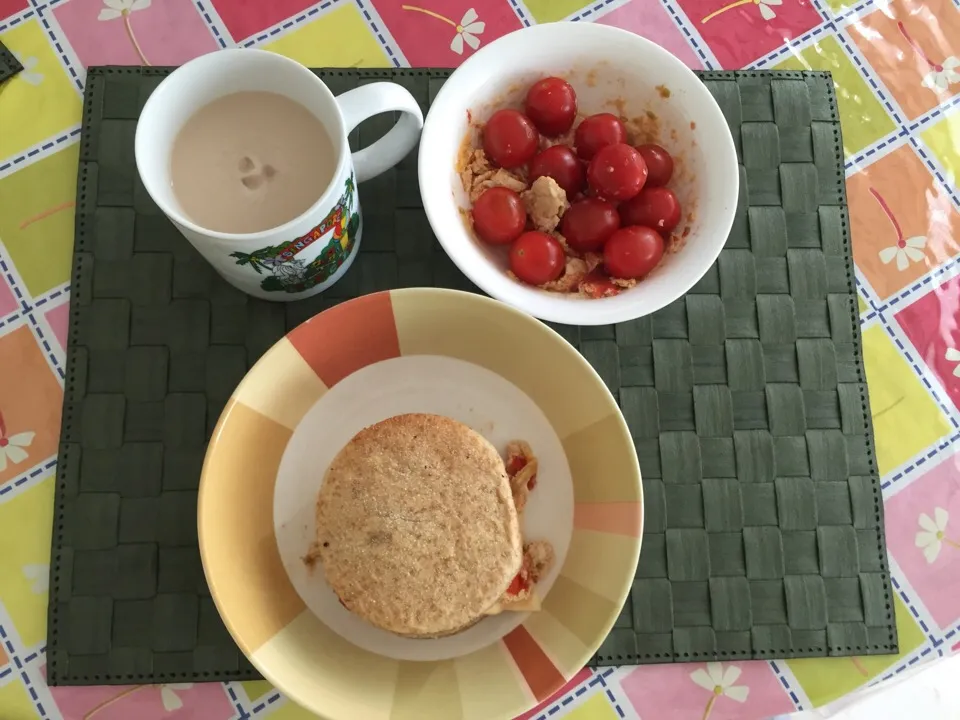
368 100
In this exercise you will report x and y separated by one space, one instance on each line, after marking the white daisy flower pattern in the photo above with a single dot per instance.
28 74
168 695
942 75
906 249
39 575
904 252
719 680
467 30
13 447
766 9
932 535
114 9
953 355
118 8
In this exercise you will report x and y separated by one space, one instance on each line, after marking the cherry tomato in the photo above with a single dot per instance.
632 252
510 139
655 207
659 164
617 172
588 223
537 258
560 163
499 216
552 105
596 131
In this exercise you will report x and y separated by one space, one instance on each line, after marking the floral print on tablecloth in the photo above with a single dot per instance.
897 73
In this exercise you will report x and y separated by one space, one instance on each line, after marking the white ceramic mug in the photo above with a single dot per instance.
309 253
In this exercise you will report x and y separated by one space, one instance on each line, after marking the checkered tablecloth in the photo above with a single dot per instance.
896 70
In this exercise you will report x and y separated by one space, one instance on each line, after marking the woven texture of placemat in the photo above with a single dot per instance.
746 399
9 65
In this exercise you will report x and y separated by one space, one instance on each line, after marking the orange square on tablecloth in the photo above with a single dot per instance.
30 403
902 221
913 45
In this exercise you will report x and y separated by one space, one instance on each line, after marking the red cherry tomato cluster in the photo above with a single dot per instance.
620 206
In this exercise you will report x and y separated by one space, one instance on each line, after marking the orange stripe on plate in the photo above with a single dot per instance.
621 518
350 336
540 673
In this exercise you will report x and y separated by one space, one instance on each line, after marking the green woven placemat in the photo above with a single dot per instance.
764 532
9 65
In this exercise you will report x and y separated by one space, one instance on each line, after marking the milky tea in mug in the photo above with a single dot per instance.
250 161
246 152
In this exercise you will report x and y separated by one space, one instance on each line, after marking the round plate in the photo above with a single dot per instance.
417 350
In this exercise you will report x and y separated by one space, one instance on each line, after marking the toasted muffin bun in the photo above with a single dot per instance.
416 526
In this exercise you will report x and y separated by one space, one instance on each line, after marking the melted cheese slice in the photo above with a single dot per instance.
531 603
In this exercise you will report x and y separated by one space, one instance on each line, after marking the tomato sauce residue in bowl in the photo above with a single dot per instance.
581 204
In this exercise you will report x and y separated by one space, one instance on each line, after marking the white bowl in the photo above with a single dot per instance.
604 65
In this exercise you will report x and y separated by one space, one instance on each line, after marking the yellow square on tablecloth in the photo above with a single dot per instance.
838 6
39 102
863 119
15 702
906 420
340 38
256 689
825 680
36 219
943 139
291 711
25 521
596 708
552 10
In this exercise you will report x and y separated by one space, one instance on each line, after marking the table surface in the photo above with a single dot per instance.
896 71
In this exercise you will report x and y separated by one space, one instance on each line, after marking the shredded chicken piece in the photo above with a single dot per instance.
538 556
574 273
546 202
522 468
567 250
502 178
537 560
477 174
565 139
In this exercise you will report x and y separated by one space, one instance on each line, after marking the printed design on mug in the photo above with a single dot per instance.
287 272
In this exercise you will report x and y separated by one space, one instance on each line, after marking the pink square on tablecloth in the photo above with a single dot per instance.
57 318
651 21
427 30
750 691
167 32
923 536
747 31
176 701
245 18
933 325
8 303
12 7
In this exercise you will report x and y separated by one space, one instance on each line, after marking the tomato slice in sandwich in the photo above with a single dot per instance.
518 585
516 464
